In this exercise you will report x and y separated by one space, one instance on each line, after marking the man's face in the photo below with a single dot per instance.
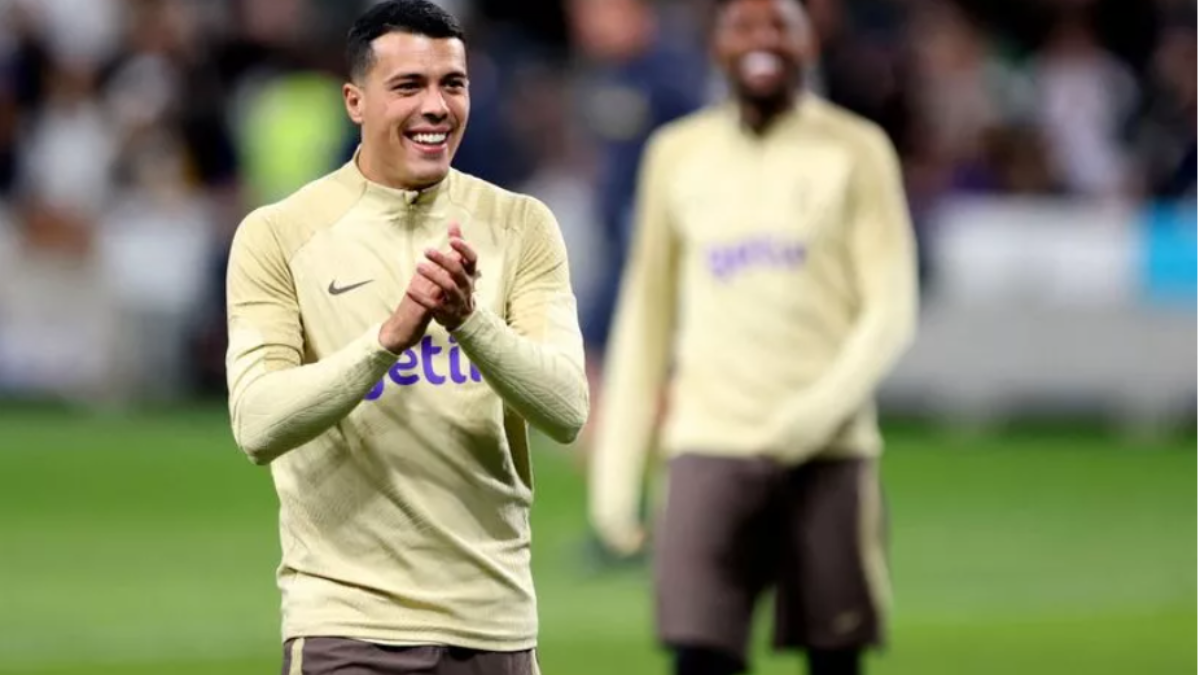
610 30
412 105
762 46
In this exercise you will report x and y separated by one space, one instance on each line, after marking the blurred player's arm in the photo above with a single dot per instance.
884 268
636 363
534 361
275 403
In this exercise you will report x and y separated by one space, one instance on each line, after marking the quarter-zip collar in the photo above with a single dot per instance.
392 202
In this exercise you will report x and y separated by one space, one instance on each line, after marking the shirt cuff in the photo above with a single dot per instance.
476 325
372 349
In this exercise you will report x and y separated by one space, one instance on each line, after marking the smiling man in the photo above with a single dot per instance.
773 273
393 329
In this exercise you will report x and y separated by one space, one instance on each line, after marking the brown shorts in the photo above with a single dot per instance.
733 528
341 656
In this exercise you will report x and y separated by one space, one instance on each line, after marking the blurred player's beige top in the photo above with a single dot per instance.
404 505
770 272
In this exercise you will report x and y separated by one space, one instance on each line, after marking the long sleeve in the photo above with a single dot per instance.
884 271
277 404
534 361
637 360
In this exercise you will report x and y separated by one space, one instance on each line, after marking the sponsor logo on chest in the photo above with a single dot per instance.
728 260
431 364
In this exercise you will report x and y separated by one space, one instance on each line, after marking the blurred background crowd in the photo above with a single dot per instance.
1049 150
1047 144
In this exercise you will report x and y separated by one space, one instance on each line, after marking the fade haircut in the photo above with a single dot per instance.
418 17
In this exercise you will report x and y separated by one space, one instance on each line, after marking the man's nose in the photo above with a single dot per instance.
433 104
766 36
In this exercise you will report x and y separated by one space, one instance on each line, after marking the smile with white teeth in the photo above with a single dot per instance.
429 138
761 64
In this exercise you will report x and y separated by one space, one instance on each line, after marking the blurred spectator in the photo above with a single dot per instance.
1020 161
291 127
78 31
153 249
1166 132
69 150
135 135
290 121
863 64
1086 97
963 93
163 76
636 76
563 180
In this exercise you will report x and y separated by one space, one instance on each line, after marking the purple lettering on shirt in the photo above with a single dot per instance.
456 373
428 351
406 362
420 363
763 252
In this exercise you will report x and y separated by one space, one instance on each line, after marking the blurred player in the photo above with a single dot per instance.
387 377
773 268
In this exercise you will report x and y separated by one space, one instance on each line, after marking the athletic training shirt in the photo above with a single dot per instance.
769 273
404 480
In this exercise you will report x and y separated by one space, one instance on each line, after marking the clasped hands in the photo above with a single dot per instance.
442 290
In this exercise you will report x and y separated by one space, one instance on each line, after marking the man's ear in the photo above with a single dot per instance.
353 97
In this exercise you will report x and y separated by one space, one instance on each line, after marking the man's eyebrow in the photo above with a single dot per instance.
410 76
404 76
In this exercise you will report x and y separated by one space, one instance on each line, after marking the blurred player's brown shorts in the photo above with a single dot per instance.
733 528
341 656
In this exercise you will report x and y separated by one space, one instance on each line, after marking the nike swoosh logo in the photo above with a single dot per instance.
334 289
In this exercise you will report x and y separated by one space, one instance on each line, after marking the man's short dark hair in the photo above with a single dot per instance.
418 17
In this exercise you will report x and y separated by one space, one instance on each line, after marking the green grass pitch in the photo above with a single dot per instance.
146 545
